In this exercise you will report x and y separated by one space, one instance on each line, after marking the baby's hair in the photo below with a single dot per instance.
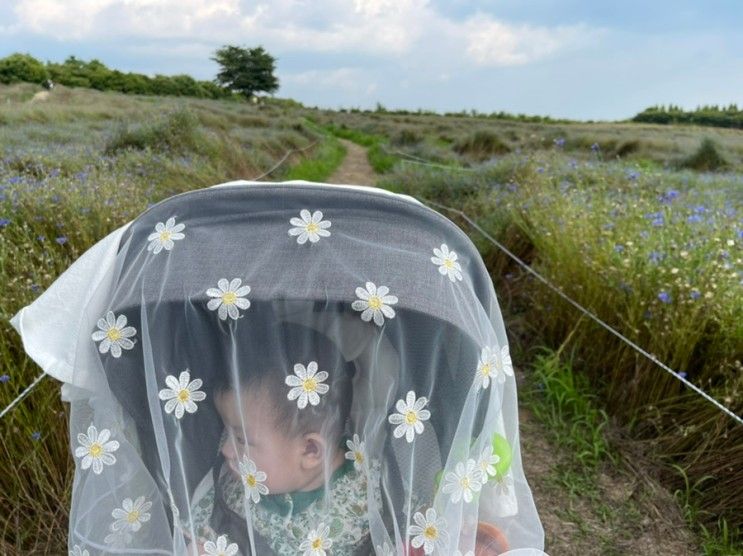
269 357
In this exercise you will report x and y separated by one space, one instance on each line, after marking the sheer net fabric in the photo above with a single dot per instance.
289 368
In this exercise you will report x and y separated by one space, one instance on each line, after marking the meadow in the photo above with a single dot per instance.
641 224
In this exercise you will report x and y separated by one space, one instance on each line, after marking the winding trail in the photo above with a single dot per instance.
355 168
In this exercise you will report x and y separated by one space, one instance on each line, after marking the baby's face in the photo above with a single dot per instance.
273 452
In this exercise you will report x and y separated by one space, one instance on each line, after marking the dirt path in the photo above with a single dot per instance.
355 169
629 515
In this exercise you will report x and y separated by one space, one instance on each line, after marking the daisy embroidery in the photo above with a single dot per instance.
164 235
181 394
356 452
77 551
306 384
463 481
221 548
374 302
429 531
410 416
96 449
447 262
487 462
113 334
308 226
493 364
503 485
252 479
131 515
385 549
118 539
228 297
317 541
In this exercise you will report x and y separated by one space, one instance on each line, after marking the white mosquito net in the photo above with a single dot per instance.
286 368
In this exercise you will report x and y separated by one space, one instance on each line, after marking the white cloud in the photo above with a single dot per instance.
412 32
351 80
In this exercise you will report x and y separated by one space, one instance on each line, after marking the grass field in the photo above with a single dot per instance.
629 220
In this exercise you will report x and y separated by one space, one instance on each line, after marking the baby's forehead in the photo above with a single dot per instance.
255 400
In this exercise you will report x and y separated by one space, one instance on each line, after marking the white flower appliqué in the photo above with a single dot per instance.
374 302
78 551
429 531
114 334
307 384
96 449
228 297
487 462
356 452
410 416
493 364
131 515
164 235
182 394
317 541
447 262
464 481
252 479
310 227
221 548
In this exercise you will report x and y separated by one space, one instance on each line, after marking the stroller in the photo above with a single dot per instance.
286 368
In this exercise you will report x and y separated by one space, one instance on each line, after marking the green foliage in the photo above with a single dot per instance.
177 131
481 145
706 158
246 71
704 115
22 67
95 75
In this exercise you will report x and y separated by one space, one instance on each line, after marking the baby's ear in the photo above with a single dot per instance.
313 452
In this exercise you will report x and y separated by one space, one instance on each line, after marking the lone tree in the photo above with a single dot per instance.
246 71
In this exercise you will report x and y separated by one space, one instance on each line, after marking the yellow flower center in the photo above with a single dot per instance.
312 227
132 516
309 385
375 302
448 263
411 417
486 369
250 480
317 543
229 298
184 395
96 449
164 236
359 457
431 532
113 334
465 482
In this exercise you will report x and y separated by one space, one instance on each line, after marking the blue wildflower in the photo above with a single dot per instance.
664 296
61 240
15 179
540 170
4 222
595 147
633 175
619 248
668 196
693 218
41 238
4 378
695 294
36 435
682 374
560 142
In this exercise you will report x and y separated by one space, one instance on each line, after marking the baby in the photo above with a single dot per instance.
286 456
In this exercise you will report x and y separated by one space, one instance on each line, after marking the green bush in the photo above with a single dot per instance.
22 67
706 158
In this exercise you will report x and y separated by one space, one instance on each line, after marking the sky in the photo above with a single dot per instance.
565 59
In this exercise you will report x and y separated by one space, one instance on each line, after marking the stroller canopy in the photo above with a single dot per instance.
286 368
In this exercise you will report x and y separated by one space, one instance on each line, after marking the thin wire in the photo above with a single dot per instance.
280 162
589 313
23 394
39 378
